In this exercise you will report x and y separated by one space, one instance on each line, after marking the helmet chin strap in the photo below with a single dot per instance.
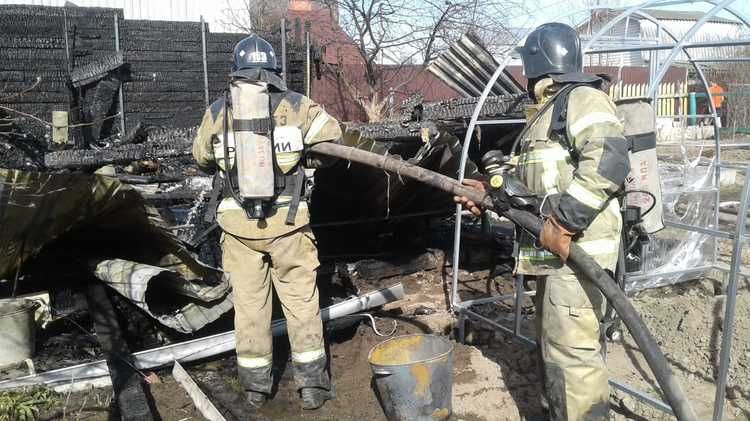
530 84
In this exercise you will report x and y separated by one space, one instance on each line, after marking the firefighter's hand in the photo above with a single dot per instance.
469 204
555 238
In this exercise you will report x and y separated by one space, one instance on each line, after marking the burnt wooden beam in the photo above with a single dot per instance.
130 395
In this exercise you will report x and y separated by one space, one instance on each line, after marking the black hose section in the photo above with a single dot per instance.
658 363
533 224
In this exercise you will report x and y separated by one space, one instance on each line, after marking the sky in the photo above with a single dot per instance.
562 10
540 10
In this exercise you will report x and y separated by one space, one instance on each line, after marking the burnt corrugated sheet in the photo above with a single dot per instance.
82 219
467 67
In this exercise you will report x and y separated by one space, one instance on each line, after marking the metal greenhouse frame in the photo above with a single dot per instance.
657 71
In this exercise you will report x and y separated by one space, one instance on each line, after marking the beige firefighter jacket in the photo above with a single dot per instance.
585 191
294 110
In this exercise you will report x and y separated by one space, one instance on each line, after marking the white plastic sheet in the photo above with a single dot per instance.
673 254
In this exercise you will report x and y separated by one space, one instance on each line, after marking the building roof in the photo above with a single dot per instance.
686 15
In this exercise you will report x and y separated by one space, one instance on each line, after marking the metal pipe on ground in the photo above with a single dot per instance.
730 207
578 259
730 218
82 376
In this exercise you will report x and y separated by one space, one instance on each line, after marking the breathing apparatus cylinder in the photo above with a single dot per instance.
643 184
251 123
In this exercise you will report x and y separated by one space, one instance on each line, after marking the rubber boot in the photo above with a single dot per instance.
257 383
313 383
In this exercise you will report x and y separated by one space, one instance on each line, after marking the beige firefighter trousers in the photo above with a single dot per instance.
289 263
574 369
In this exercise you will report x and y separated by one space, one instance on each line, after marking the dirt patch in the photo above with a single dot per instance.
495 377
169 401
479 384
486 383
487 386
687 320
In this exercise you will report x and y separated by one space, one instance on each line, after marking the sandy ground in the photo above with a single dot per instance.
687 323
481 385
495 376
483 382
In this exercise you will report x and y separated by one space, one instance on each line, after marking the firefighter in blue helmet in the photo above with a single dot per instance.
258 137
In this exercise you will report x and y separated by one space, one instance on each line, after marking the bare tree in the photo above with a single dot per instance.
259 16
734 78
396 39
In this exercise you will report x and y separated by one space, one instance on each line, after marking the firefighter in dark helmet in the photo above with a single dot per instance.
576 158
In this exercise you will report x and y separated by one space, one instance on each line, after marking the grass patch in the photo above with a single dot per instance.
25 405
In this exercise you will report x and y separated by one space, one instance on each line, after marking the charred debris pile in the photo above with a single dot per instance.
75 59
67 59
127 209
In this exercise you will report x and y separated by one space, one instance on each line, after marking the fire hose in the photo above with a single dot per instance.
578 259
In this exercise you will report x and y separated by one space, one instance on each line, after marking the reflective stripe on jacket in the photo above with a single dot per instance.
585 189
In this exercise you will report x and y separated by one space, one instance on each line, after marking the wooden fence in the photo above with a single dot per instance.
672 99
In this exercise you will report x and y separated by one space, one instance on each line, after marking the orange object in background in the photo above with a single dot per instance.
717 95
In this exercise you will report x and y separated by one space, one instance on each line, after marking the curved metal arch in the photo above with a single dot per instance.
626 14
689 35
637 10
483 97
697 68
462 171
719 6
657 3
454 298
611 24
734 12
712 107
726 341
714 114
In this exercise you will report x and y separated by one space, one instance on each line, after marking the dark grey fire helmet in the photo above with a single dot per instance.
552 48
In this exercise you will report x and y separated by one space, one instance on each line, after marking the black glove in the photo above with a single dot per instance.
512 193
